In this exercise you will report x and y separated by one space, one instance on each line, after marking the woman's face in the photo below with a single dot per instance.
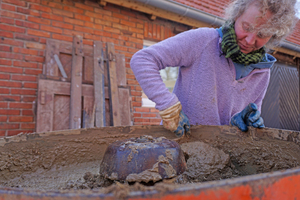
249 38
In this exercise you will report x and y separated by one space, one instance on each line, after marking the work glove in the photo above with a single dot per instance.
175 120
250 116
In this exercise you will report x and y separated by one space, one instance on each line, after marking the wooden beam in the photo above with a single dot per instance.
76 83
102 3
287 51
113 85
99 92
153 17
151 10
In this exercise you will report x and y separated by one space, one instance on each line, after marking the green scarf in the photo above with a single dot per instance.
232 50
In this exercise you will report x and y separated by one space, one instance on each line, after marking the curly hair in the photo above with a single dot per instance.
279 26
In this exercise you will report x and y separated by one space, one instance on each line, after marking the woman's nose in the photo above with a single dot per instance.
250 38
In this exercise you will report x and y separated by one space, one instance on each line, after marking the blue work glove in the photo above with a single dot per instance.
183 125
250 116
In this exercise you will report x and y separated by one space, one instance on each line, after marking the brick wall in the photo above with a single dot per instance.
25 27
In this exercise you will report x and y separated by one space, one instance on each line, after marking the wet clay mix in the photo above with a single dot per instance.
71 163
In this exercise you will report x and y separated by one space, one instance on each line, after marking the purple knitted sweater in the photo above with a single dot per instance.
206 85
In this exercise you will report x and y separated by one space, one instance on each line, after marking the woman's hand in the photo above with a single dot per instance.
250 116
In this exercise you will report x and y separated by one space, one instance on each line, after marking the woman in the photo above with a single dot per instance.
224 73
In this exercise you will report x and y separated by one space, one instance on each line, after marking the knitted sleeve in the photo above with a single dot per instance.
180 50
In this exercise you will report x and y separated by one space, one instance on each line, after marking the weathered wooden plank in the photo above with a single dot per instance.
61 112
99 92
52 108
44 107
121 69
52 48
88 112
124 106
113 87
76 82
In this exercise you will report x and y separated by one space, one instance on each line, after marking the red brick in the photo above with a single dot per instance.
73 21
40 8
27 112
35 58
3 118
20 119
9 98
142 110
137 115
136 30
16 2
155 120
29 98
4 76
136 93
52 4
63 13
93 15
52 17
2 132
8 7
27 24
141 120
11 70
74 10
23 78
34 13
9 112
51 29
20 105
84 18
7 20
128 23
88 42
5 62
13 132
10 84
4 91
136 104
30 85
28 126
23 91
3 104
23 10
62 25
25 64
26 37
25 51
110 29
103 22
72 33
38 20
102 11
132 82
84 7
38 33
62 37
12 28
5 48
33 71
35 45
82 29
12 15
11 55
9 126
12 42
149 115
